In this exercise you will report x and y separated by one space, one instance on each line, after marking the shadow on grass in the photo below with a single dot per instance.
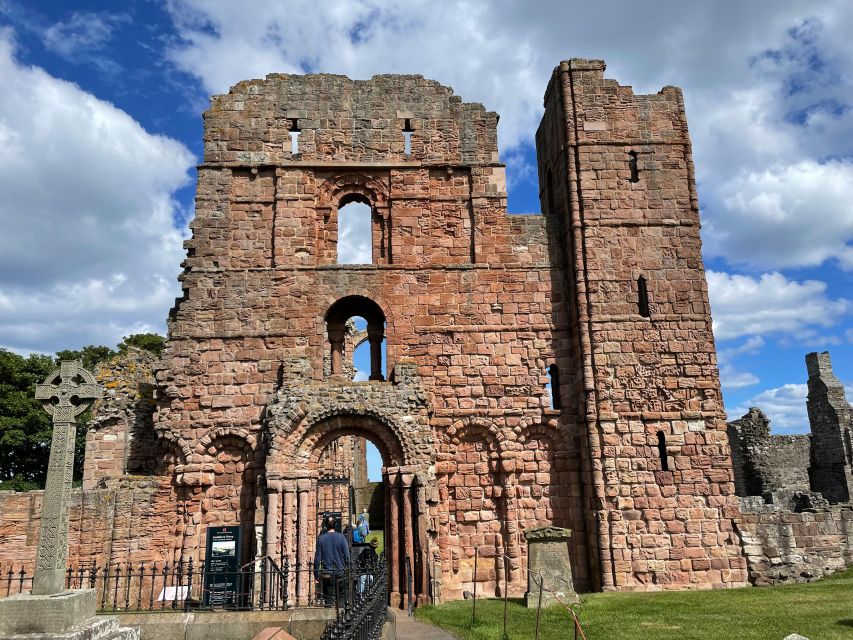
845 623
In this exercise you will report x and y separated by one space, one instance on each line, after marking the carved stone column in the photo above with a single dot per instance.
302 570
392 545
408 532
375 337
336 340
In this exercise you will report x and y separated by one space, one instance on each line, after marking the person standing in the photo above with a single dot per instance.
331 559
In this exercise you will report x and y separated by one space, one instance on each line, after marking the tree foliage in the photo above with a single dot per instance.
25 428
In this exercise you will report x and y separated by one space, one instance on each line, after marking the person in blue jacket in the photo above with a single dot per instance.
331 558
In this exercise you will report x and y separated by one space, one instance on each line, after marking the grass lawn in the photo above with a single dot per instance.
822 610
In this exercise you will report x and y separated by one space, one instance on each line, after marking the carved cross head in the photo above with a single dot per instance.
68 391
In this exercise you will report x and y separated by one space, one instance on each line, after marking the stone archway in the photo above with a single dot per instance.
294 484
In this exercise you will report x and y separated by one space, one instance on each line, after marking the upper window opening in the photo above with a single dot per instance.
664 462
368 315
294 136
632 165
554 386
355 234
643 297
407 134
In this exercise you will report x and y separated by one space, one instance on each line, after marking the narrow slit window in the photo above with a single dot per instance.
407 135
643 297
554 386
664 463
294 136
632 164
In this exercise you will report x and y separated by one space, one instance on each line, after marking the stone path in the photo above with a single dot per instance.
411 629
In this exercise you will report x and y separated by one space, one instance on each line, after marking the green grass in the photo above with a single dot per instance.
822 610
380 536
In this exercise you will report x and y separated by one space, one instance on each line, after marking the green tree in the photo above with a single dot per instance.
25 428
152 342
91 355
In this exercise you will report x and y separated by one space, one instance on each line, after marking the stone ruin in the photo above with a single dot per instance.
549 370
796 491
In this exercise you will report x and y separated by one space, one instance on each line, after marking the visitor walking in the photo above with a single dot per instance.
330 561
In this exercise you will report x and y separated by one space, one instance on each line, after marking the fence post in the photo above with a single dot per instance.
474 599
506 595
539 603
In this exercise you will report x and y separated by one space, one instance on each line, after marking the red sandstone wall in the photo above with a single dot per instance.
646 375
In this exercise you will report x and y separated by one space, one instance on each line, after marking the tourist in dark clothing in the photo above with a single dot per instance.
331 559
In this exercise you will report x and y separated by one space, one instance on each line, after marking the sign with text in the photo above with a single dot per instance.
222 575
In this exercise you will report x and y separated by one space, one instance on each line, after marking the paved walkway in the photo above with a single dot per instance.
411 629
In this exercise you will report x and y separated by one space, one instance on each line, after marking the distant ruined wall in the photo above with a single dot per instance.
764 463
796 521
782 545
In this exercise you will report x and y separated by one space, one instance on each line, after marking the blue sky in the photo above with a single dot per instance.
100 130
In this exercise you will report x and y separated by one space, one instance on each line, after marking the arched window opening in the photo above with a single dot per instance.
553 386
407 135
632 165
355 233
643 297
340 332
664 462
294 136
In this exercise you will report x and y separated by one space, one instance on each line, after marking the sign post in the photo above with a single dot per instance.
222 569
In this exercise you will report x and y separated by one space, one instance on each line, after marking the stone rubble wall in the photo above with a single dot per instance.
130 521
765 463
783 545
121 437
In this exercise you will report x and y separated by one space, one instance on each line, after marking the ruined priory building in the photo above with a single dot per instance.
601 297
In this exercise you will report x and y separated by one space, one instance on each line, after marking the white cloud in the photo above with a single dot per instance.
354 239
790 215
89 250
747 306
767 86
785 406
84 34
730 377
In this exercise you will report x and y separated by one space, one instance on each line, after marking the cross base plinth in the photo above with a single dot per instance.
69 615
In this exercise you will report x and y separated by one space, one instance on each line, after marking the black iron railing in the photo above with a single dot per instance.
189 585
362 616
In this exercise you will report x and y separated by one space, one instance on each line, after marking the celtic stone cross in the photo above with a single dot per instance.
66 393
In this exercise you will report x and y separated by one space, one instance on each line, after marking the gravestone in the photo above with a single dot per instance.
51 611
548 567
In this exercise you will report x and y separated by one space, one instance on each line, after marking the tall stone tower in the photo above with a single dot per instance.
831 420
616 174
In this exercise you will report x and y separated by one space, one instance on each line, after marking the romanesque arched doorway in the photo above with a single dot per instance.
294 522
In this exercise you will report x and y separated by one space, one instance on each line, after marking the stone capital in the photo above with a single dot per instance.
547 533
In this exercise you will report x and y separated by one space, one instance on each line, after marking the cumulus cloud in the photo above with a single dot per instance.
743 305
785 406
730 376
767 87
354 234
89 250
786 216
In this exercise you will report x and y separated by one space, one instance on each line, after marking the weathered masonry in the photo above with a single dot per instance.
602 296
795 491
